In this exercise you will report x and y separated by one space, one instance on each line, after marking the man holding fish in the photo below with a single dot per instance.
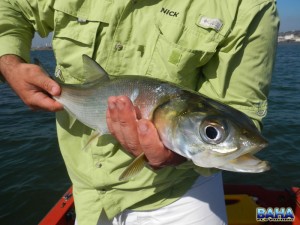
220 49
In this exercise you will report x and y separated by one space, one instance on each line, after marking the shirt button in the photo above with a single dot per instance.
98 165
119 47
103 191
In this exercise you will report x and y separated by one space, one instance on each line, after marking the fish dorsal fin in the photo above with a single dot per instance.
93 71
134 168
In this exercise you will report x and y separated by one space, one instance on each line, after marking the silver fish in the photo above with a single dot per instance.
211 134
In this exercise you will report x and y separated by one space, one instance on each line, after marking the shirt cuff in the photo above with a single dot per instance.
15 46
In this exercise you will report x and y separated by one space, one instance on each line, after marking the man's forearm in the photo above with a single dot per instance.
8 63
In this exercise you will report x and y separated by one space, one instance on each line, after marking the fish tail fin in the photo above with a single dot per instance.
134 168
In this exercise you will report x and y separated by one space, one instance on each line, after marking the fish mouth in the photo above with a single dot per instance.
246 163
263 143
240 161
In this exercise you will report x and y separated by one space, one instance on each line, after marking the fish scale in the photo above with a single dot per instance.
90 105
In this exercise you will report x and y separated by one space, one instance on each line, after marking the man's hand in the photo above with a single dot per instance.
138 135
30 83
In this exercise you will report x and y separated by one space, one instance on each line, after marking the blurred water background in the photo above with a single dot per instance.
33 176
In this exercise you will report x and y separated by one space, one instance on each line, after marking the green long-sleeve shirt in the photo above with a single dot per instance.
223 49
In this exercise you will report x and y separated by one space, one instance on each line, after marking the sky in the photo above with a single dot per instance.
289 13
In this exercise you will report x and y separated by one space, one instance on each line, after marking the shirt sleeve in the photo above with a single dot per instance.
19 19
239 74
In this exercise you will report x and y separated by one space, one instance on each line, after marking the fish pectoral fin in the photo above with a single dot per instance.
72 121
91 139
246 164
134 168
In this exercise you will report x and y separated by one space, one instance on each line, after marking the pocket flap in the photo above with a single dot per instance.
78 29
99 10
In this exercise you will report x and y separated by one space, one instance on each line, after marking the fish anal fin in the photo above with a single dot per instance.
134 168
91 139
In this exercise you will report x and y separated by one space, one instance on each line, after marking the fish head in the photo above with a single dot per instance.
213 135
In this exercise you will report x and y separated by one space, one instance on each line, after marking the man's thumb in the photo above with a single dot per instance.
50 86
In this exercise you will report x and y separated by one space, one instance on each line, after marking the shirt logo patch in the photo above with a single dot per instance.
169 12
212 23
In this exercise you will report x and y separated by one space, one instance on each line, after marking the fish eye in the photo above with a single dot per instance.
212 132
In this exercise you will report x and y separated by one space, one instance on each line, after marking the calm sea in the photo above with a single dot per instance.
33 175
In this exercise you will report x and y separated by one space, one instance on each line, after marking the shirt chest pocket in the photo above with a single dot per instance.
72 38
180 51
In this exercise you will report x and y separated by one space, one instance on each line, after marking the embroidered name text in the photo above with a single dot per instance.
169 12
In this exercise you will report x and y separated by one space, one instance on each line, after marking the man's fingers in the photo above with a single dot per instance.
30 83
46 83
138 136
151 144
121 119
41 101
39 93
157 154
128 124
112 119
51 87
